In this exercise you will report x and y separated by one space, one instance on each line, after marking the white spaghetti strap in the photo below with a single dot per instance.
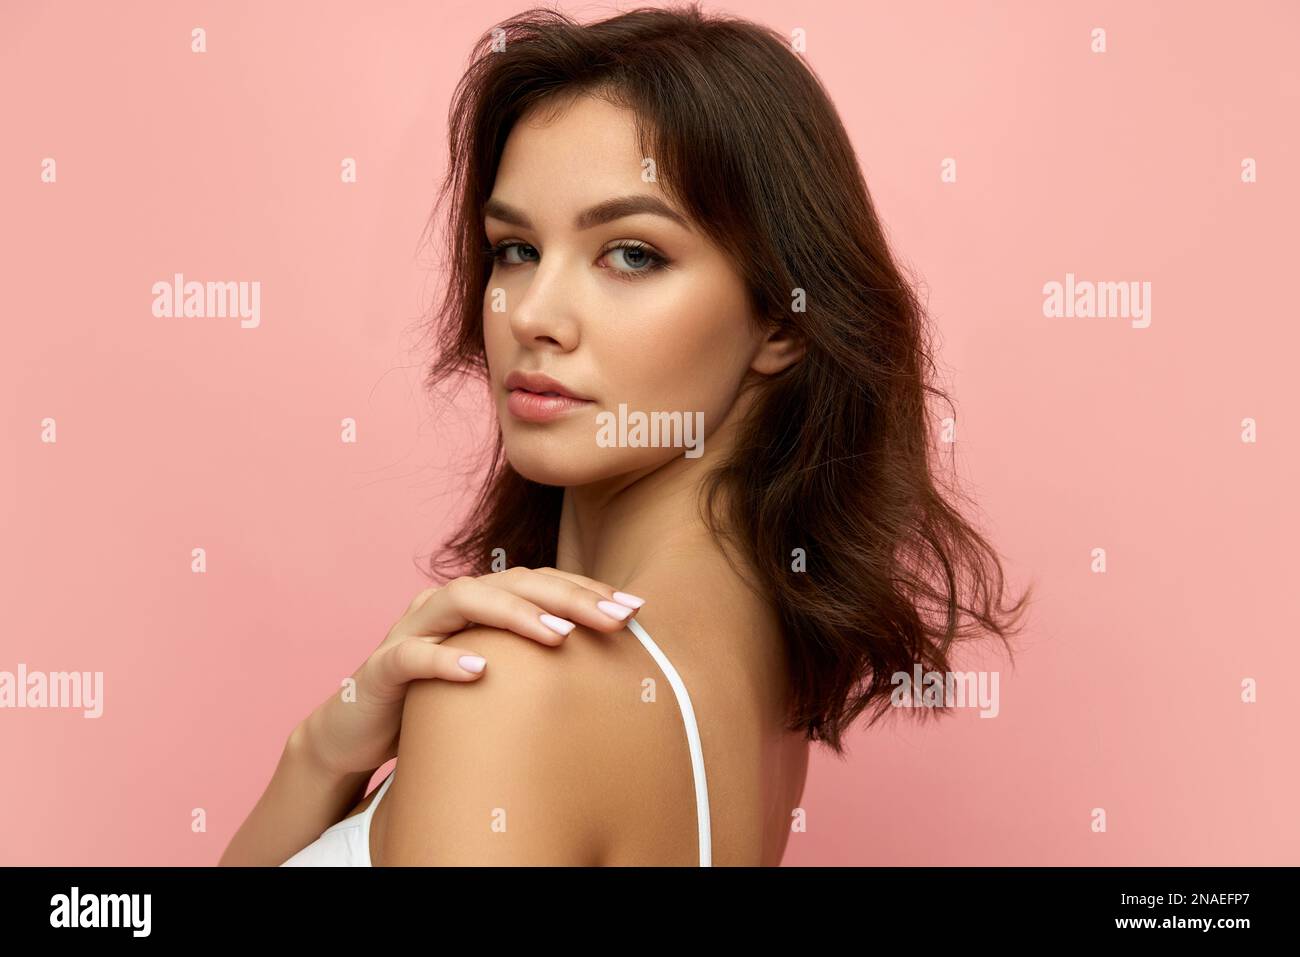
692 738
347 843
369 812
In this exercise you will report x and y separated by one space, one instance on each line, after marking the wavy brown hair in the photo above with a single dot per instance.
835 457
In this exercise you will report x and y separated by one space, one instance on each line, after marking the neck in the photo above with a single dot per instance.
610 530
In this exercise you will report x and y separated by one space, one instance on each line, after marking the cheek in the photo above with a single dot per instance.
496 339
681 347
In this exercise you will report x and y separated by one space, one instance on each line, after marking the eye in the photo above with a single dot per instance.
640 258
501 251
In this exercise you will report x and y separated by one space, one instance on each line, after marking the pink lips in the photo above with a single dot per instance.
535 397
534 407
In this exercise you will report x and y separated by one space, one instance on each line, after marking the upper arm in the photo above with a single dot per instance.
503 770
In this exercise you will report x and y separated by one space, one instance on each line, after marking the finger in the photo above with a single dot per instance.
419 600
418 658
613 594
563 593
396 633
542 607
465 601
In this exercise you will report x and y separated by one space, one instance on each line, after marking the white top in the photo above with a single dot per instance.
347 843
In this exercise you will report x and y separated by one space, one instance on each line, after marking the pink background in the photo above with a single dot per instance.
1073 433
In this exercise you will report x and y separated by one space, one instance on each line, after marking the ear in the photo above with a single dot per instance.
778 351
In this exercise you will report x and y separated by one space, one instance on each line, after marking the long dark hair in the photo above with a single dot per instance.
836 456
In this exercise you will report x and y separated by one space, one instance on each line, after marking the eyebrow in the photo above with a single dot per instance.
601 213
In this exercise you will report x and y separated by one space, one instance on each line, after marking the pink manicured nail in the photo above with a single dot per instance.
614 610
561 625
472 663
623 598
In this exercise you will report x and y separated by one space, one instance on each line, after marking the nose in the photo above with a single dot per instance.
544 308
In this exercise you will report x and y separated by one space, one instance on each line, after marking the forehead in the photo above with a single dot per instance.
571 151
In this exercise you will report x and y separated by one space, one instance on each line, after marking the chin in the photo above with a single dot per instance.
554 459
549 458
563 474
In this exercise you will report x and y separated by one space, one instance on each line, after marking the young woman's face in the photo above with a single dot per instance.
662 327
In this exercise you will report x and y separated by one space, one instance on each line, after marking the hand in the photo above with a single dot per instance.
358 732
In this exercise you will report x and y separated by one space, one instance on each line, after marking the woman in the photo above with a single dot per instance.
656 220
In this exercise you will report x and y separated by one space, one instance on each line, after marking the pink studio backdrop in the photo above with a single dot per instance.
1074 433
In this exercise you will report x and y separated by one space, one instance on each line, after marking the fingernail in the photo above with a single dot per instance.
471 663
614 610
623 598
561 625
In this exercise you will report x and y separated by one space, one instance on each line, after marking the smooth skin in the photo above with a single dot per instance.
577 755
334 751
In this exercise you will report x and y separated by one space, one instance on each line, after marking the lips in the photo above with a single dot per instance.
540 384
534 397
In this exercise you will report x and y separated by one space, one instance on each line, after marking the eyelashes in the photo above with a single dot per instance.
636 250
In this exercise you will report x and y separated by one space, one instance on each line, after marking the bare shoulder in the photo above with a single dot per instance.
712 634
699 610
510 768
575 754
726 640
